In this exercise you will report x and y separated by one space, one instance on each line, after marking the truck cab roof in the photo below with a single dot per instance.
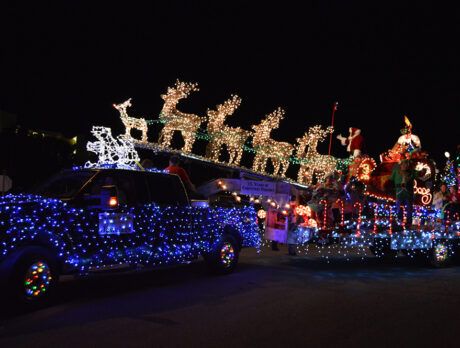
134 186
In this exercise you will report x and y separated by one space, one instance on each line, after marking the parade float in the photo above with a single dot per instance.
347 205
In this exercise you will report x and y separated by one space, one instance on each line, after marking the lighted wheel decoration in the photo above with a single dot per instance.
440 255
224 257
227 255
37 280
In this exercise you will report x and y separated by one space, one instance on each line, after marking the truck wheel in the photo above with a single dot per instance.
440 255
224 258
34 277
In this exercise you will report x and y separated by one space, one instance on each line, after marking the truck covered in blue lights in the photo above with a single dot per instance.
84 221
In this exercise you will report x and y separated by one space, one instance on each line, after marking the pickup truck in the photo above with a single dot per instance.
87 221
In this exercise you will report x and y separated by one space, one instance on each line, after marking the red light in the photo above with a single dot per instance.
113 202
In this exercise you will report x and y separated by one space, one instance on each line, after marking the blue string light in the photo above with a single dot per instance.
148 234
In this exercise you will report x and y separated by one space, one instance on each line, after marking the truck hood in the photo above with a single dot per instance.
26 199
14 209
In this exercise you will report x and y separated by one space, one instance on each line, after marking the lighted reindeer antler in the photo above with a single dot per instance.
230 105
185 88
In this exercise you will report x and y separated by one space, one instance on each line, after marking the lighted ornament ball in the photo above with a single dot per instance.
303 210
261 214
447 154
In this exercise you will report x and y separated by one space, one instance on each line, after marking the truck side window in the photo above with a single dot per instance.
166 189
139 184
132 187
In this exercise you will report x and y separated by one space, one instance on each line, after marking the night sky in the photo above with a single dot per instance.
63 65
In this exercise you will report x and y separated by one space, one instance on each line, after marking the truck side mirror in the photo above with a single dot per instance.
109 197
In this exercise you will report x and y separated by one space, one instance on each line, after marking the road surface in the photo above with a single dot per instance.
272 300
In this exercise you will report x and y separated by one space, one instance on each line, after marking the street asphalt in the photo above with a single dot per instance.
271 300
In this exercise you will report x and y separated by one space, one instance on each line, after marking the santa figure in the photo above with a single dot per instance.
354 142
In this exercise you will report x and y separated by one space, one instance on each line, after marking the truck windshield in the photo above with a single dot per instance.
64 185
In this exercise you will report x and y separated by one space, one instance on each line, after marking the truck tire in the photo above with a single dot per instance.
224 256
440 255
33 277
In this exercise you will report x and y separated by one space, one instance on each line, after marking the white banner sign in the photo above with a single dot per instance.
252 187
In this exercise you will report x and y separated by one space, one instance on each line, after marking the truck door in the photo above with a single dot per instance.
114 235
173 233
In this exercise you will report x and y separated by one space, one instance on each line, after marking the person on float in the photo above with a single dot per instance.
354 142
454 200
328 191
409 140
406 143
292 238
147 163
441 197
403 178
175 168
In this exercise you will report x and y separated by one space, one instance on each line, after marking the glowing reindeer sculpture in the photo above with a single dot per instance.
131 122
176 120
267 148
221 134
312 162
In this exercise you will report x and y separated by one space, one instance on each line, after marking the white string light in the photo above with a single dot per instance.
314 164
119 152
267 148
221 134
131 122
176 120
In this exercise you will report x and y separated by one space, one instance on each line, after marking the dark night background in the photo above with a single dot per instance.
63 65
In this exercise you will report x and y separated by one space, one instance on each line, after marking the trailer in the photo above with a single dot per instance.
372 225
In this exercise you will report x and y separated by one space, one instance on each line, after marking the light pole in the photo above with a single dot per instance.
334 109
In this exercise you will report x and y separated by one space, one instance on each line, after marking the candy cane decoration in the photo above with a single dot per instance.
376 217
390 218
324 213
419 217
360 212
404 222
341 212
447 220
